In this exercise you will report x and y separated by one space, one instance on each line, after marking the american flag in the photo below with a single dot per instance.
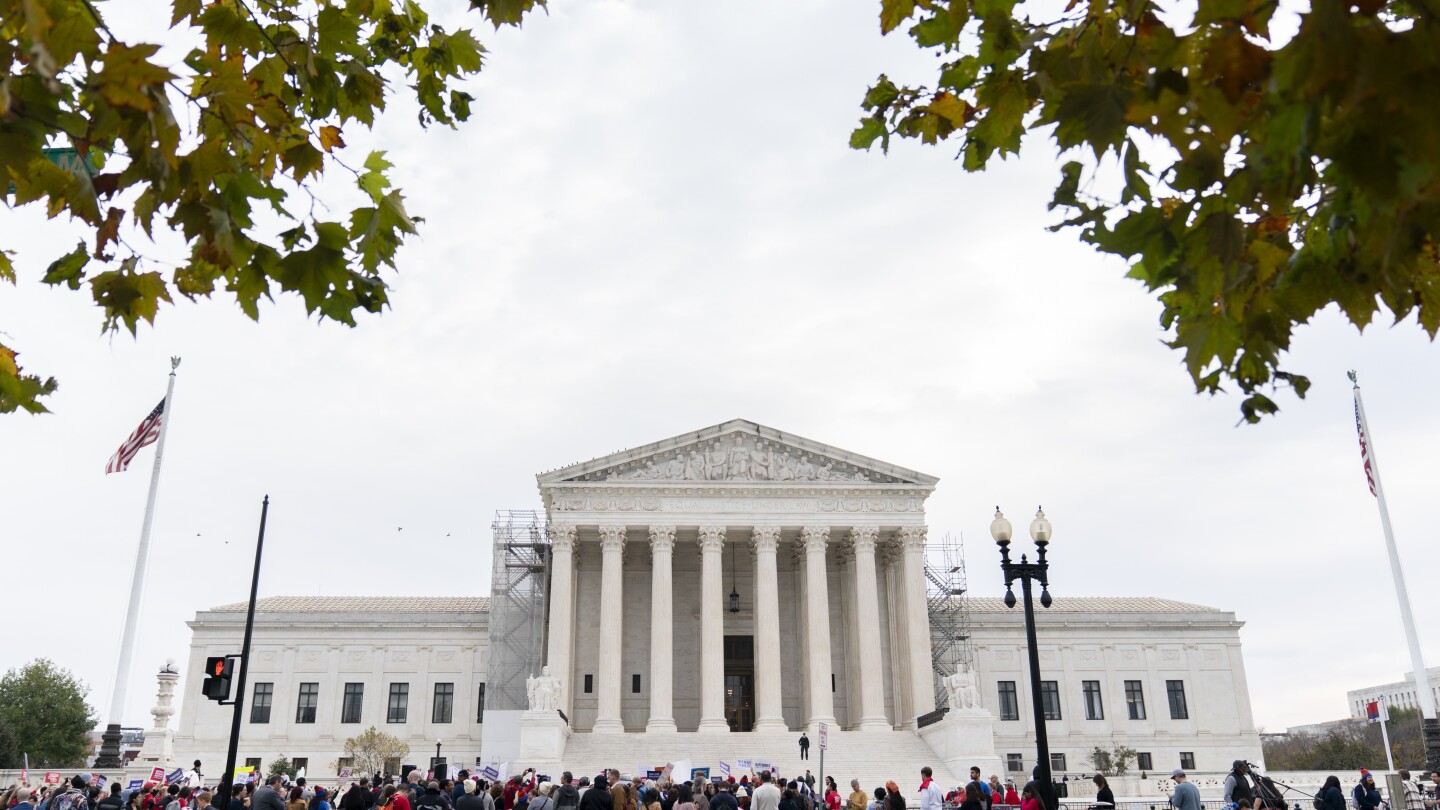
1364 448
147 433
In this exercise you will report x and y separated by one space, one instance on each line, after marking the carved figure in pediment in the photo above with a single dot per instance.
804 471
715 462
785 469
829 473
695 467
739 467
674 469
762 463
644 473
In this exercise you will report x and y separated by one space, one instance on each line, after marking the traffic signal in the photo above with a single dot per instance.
218 672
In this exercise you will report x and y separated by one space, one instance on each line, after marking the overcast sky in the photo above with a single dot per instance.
653 224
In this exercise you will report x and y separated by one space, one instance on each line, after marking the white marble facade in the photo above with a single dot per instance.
825 549
1129 650
424 643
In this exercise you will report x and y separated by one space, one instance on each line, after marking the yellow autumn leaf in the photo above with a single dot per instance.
330 138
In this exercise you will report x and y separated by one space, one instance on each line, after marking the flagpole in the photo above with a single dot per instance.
1423 694
109 756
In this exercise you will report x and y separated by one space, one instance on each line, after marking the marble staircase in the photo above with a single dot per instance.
870 756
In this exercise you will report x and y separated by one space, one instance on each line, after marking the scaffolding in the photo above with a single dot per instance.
519 590
949 610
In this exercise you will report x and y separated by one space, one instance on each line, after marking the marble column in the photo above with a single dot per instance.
917 617
889 555
867 621
768 717
712 632
612 550
844 556
662 636
560 654
817 615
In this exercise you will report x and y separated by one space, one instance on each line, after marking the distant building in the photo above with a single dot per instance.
1400 695
131 741
1318 729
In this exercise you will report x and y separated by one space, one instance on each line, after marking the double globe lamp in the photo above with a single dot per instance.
1028 572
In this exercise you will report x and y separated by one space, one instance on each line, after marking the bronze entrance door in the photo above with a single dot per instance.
740 682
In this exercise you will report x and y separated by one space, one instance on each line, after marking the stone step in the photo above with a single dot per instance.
873 757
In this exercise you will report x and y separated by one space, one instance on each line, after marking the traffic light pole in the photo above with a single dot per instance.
227 778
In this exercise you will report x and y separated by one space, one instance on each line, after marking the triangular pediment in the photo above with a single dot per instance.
736 452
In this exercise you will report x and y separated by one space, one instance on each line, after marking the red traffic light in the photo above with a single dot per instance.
217 686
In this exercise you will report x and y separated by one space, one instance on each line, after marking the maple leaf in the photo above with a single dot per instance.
330 138
128 75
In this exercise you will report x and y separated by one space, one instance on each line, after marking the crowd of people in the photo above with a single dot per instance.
527 791
610 790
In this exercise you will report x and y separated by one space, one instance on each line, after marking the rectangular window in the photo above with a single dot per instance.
253 762
344 762
1014 763
1057 763
1178 709
309 699
300 763
1187 760
350 706
1050 699
399 707
444 705
1009 701
480 706
635 683
260 703
1144 762
1135 699
589 683
1094 708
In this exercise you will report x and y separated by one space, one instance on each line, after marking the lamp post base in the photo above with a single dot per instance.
1430 730
110 756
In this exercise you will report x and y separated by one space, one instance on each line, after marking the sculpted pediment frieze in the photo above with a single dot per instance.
740 458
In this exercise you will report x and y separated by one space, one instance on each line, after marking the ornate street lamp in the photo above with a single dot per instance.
734 594
1026 572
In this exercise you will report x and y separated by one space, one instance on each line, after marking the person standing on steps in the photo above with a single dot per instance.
804 746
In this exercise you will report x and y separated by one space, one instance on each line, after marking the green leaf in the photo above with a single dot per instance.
864 135
894 12
881 95
935 31
127 297
1093 114
68 269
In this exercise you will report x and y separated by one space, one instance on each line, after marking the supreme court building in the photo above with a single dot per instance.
709 597
825 550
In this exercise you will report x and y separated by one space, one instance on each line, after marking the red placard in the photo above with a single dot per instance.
157 775
52 777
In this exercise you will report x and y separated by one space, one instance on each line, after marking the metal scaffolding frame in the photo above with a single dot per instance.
948 605
519 601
